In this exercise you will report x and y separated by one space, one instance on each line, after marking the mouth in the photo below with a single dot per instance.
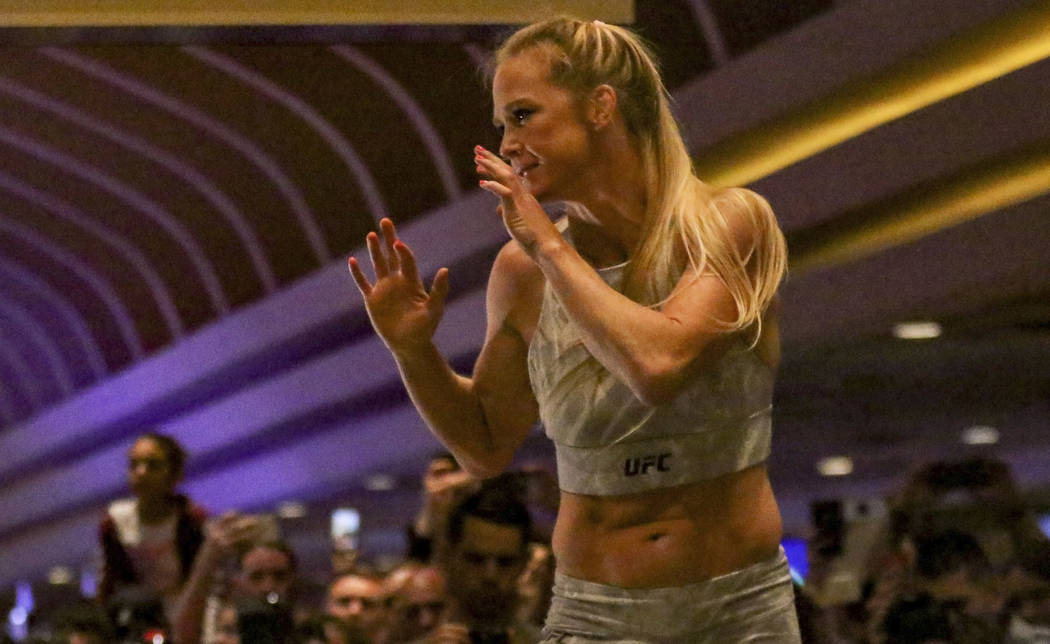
524 172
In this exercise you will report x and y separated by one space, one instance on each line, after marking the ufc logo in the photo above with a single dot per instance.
642 465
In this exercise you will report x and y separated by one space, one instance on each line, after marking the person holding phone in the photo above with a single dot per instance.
641 328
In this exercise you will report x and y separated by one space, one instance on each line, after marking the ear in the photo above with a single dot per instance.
602 104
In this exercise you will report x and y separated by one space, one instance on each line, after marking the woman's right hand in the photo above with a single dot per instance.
403 313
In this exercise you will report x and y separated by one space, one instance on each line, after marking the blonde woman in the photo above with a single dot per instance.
640 328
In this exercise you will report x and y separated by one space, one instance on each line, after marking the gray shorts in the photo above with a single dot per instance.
755 604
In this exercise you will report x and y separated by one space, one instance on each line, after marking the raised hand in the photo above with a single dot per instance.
403 313
522 214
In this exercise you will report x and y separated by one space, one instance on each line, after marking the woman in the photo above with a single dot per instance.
149 541
641 329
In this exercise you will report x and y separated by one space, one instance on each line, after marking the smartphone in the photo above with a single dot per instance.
346 526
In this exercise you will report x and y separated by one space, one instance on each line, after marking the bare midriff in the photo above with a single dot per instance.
669 537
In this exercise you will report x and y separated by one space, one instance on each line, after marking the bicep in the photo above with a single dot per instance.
501 376
501 382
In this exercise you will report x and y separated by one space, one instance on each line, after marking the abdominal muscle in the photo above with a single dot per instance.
669 537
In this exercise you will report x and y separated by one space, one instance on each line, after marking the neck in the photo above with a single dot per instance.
614 195
154 509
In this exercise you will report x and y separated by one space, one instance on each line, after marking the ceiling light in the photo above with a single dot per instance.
291 510
60 575
980 435
922 330
380 483
835 466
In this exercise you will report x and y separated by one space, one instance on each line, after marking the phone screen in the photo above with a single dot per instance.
346 523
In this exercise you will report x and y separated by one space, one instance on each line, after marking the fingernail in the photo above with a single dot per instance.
478 148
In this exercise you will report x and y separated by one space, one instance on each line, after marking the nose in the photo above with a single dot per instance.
509 146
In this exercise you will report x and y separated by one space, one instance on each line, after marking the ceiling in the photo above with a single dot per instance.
176 207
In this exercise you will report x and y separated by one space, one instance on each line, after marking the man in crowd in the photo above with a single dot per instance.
417 605
488 536
360 602
265 577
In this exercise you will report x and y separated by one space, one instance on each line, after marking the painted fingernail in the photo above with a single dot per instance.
478 148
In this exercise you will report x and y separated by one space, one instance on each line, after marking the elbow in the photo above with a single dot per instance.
657 383
486 466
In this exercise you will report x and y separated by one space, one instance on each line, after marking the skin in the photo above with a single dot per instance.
418 605
359 602
561 146
152 480
483 573
264 571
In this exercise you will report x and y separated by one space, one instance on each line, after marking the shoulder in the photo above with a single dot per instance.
515 291
513 263
747 215
514 275
196 514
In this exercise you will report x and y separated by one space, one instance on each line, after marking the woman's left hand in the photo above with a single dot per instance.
522 214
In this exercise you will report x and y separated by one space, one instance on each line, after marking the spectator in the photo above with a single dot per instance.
417 605
443 482
151 539
360 602
266 571
488 538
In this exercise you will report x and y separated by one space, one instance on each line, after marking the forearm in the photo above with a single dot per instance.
189 608
451 408
644 348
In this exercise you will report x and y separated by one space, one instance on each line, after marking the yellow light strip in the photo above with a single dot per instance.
955 66
148 13
968 196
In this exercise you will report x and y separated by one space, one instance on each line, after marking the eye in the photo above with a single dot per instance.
521 115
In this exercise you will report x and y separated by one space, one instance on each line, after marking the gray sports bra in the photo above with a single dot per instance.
608 442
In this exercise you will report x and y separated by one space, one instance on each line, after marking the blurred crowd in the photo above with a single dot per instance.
954 555
477 568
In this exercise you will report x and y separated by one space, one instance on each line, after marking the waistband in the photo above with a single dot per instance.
664 461
742 605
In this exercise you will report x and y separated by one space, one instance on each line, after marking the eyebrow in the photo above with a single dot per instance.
507 108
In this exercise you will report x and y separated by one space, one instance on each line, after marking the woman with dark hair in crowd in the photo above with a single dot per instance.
149 540
641 329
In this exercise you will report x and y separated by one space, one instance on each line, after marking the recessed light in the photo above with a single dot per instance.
291 510
380 483
980 435
923 330
835 466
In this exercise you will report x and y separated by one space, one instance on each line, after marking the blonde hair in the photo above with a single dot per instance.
687 222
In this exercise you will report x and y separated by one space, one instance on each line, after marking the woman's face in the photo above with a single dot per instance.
544 137
149 470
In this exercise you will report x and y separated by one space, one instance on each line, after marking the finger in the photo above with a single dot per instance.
407 260
390 238
438 291
359 277
376 253
496 188
495 167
